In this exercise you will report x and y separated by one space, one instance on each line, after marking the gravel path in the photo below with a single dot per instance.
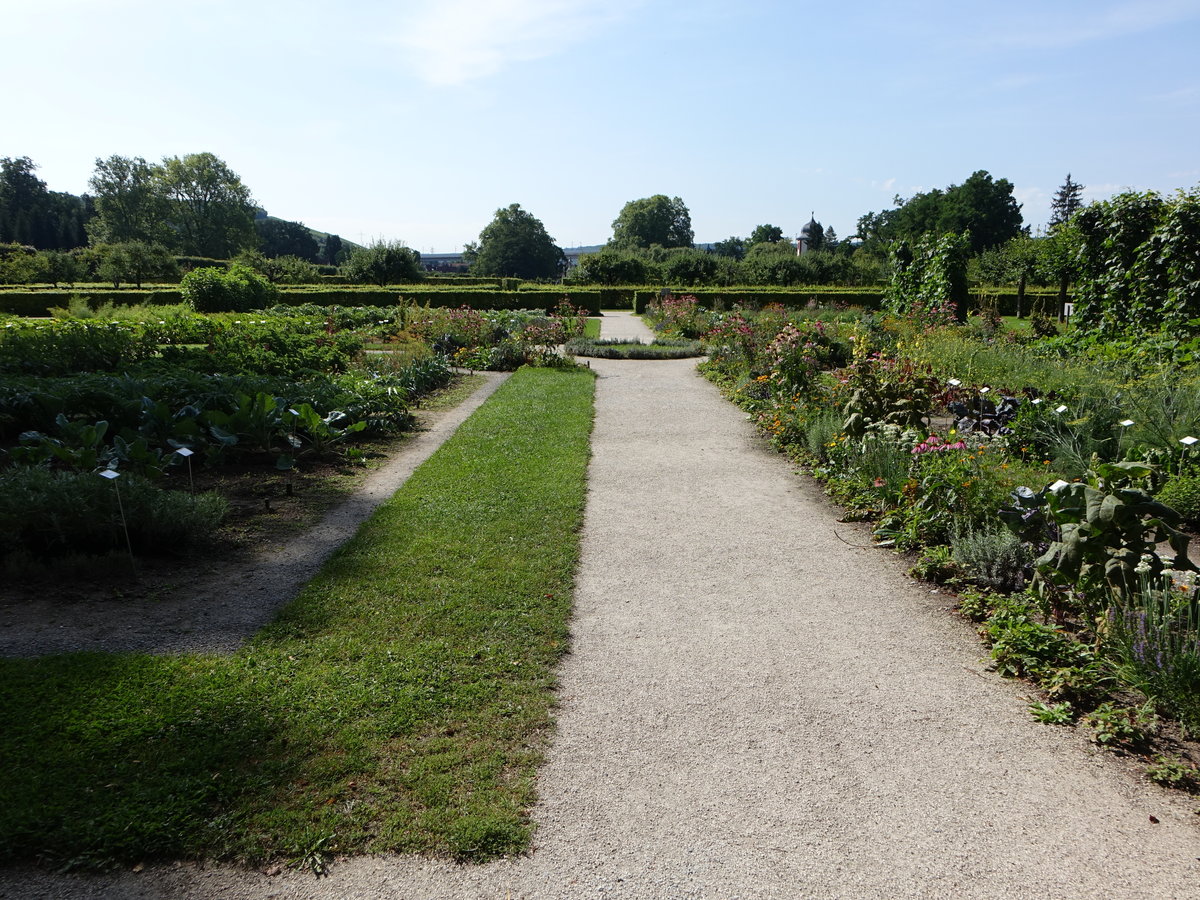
755 708
219 613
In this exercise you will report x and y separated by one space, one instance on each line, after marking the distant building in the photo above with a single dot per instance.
806 235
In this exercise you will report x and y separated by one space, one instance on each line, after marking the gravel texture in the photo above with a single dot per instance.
757 706
235 600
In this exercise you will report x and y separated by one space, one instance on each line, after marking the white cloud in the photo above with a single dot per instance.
457 41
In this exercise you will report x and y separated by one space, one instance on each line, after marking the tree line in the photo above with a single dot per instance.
140 216
193 205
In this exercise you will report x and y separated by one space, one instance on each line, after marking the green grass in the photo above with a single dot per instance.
591 328
401 703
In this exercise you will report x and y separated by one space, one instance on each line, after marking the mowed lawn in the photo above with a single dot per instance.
401 703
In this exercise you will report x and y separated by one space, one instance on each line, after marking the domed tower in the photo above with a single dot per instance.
806 234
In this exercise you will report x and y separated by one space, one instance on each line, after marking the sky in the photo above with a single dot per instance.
416 121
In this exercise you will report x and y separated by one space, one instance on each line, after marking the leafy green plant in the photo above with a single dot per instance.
62 346
929 281
47 514
1100 538
1022 645
1128 727
884 390
80 444
936 564
975 604
325 433
1052 713
1083 684
1182 494
1174 772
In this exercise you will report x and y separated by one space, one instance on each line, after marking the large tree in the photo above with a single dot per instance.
653 220
130 203
211 211
765 234
515 244
983 206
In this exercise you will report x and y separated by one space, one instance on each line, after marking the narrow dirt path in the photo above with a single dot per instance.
756 708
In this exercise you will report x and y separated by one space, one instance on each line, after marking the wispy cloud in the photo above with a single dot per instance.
457 41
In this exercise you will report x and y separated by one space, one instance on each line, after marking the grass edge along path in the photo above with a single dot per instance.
400 703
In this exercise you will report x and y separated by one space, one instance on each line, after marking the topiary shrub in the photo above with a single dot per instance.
238 289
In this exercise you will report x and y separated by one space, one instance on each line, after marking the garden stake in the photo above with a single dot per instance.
113 476
187 454
1121 439
1187 445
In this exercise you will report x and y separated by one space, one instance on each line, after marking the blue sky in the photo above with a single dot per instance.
416 121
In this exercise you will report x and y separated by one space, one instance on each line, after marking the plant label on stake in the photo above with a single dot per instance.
954 382
186 453
1060 410
112 475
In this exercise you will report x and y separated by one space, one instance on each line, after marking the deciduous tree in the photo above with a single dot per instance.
653 220
766 234
130 201
981 205
210 209
515 244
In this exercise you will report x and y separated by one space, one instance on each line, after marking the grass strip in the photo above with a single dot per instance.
400 703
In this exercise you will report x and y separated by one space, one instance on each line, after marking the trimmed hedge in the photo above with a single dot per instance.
38 303
476 298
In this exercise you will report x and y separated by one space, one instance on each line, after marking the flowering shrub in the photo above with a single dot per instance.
679 316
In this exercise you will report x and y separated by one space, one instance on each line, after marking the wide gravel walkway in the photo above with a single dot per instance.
755 708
